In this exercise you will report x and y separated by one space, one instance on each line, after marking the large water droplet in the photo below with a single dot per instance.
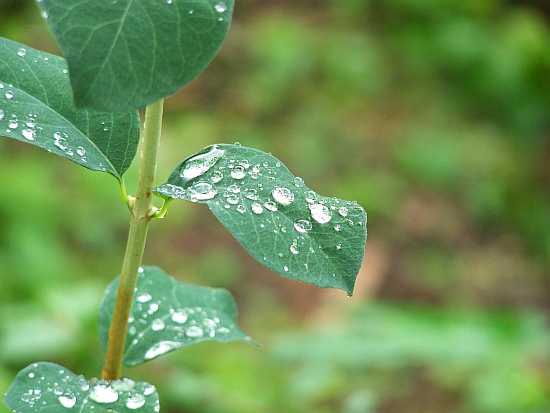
201 191
21 52
14 122
233 199
320 213
124 384
241 208
201 163
148 389
271 206
67 400
28 134
283 196
81 151
302 225
238 172
103 393
60 140
257 208
135 401
194 332
251 194
161 348
220 8
294 247
179 316
144 297
157 324
233 188
216 176
9 94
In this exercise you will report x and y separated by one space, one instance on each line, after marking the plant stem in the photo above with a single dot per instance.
141 212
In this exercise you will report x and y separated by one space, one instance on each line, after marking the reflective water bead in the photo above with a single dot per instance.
302 225
161 347
298 182
233 199
271 206
337 227
256 208
21 52
241 208
343 211
201 163
67 400
220 8
238 172
1 114
103 393
179 316
81 151
251 194
202 191
124 384
9 94
194 332
216 176
234 188
14 122
282 195
157 324
135 401
320 213
28 134
144 297
294 247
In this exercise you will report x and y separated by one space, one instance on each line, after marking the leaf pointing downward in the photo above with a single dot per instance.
280 222
36 107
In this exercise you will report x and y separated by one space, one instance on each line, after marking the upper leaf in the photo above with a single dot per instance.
168 314
48 387
36 106
280 222
126 54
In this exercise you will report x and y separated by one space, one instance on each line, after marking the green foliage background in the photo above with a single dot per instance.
433 115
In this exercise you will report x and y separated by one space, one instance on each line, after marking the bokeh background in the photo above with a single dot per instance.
433 114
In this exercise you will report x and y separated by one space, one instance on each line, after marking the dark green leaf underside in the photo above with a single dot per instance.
126 54
167 315
36 107
281 222
50 388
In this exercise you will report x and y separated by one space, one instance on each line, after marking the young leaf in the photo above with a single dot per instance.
48 387
167 314
126 54
36 106
281 222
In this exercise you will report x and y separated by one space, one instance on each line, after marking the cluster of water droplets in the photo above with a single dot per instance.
69 390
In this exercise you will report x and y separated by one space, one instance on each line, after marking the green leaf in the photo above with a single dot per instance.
168 314
280 222
36 106
126 54
50 388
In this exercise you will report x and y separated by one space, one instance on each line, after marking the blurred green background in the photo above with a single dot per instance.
433 114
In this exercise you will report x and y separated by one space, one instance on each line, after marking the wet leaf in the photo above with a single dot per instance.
280 221
36 107
126 54
168 314
48 387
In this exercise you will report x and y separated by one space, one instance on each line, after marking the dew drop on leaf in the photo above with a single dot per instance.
216 176
271 206
343 211
282 195
135 401
302 225
201 191
28 134
320 213
144 297
241 208
201 163
14 122
21 52
157 324
67 400
103 393
238 172
194 332
179 316
1 114
257 208
220 8
160 348
9 94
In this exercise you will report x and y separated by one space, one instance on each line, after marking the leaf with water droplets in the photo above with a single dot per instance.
168 314
126 54
36 107
48 387
281 222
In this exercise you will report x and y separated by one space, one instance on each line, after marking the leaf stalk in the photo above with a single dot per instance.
141 213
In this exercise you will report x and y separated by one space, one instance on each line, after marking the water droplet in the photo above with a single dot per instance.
256 208
294 247
1 114
302 225
238 172
220 8
179 316
124 384
283 196
201 191
135 401
285 268
67 400
103 393
144 297
157 324
148 389
9 94
201 163
81 151
338 246
251 194
14 122
337 227
161 347
31 375
233 188
343 211
271 206
21 52
60 140
311 197
28 134
320 213
298 182
194 332
241 208
216 176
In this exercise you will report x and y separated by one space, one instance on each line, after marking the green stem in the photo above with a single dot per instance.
141 210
